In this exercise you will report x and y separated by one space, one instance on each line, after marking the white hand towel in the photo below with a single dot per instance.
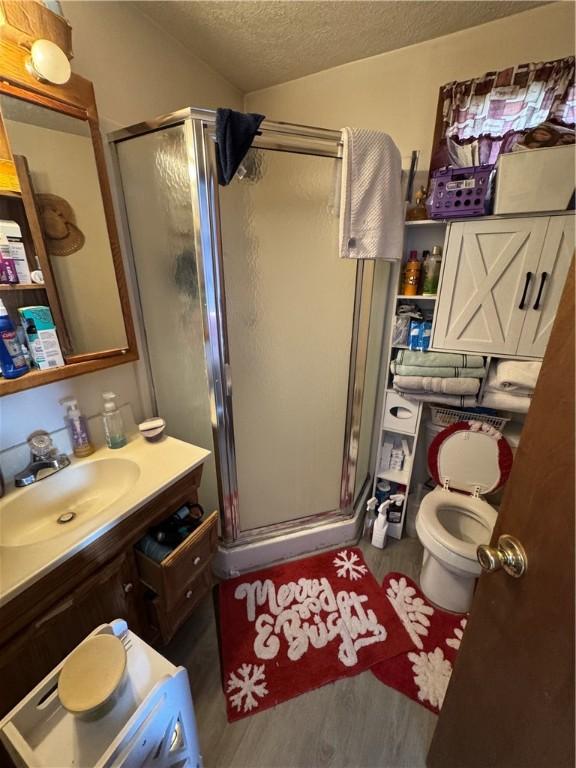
371 206
513 376
504 401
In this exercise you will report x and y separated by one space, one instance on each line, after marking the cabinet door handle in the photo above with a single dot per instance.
62 608
543 277
525 291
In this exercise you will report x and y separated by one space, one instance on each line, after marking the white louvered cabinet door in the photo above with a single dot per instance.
555 260
488 280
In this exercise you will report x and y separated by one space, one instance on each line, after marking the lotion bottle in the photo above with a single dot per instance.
113 424
77 427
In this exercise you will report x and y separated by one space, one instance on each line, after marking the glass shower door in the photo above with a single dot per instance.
289 304
158 199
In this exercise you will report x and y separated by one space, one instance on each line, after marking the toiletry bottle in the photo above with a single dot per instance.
77 427
12 361
425 257
370 517
411 275
113 424
432 272
23 341
394 510
380 527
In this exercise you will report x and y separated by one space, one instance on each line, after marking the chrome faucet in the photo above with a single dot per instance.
44 460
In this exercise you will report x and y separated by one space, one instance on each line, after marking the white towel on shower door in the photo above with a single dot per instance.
371 206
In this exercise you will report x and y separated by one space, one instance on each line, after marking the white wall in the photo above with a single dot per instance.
138 72
397 92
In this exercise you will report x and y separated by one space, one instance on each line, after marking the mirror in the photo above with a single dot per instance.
61 160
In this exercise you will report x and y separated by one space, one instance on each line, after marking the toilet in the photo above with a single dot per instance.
466 460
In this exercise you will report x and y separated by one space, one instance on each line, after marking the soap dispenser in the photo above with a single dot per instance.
77 427
113 424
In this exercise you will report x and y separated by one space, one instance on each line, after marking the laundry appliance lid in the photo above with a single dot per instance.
470 457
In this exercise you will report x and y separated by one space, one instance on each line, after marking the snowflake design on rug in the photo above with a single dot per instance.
412 611
249 681
454 642
431 675
348 565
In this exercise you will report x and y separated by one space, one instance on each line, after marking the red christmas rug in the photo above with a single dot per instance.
294 627
423 673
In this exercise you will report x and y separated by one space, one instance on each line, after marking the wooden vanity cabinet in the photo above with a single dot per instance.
102 582
40 646
180 581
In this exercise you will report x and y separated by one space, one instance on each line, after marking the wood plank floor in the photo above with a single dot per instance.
353 723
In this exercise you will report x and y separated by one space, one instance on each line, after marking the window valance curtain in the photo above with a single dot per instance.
499 107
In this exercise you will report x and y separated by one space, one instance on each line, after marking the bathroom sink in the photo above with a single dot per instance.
66 501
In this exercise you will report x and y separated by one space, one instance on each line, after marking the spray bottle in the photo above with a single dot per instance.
381 525
371 505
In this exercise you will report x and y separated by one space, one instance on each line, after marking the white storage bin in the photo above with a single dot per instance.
151 724
535 180
400 414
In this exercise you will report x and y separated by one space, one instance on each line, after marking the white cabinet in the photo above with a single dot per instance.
547 285
501 284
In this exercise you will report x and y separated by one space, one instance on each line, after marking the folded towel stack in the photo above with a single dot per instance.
439 377
510 385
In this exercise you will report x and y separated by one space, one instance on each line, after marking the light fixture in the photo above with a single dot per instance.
48 63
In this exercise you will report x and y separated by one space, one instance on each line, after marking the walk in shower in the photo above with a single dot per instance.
261 343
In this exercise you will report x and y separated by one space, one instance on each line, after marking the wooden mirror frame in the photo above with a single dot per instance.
75 99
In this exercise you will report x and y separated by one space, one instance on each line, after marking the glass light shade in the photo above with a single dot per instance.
48 63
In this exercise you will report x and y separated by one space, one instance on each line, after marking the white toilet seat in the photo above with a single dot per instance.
456 553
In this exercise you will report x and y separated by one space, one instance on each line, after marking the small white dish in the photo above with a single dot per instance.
152 429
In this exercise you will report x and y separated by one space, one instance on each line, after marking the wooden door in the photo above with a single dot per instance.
28 657
484 275
510 703
548 281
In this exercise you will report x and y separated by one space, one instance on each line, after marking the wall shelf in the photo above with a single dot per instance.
35 378
426 223
418 297
22 287
400 476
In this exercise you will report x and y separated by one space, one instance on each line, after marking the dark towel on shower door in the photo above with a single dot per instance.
235 133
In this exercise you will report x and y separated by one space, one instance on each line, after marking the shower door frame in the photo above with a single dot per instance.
199 133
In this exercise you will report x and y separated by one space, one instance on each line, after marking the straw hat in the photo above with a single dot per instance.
59 225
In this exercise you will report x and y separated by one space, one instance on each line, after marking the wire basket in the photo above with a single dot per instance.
444 417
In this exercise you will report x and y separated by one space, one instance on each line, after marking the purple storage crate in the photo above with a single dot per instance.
456 193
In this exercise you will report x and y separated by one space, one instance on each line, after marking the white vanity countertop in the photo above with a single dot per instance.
159 464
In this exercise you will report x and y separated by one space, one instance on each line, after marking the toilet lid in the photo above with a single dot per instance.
470 455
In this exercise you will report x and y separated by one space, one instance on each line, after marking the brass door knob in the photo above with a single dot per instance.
508 555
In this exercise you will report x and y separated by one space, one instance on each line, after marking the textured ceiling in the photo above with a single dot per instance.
258 43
